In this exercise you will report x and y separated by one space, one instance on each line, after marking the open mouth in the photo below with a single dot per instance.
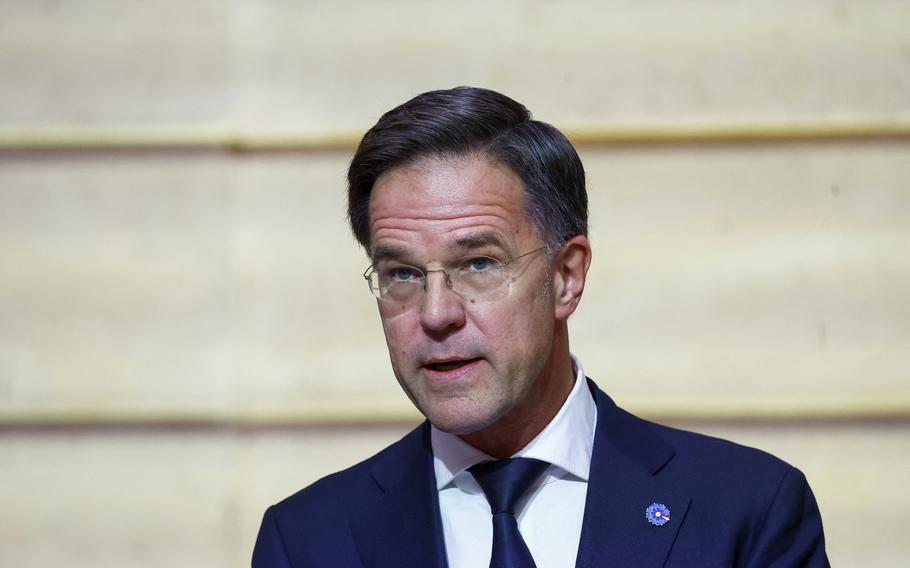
450 365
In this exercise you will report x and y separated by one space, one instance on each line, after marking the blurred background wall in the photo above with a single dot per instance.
184 334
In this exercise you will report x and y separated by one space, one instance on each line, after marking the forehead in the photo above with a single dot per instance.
440 202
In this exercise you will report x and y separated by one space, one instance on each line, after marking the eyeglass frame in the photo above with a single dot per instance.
371 269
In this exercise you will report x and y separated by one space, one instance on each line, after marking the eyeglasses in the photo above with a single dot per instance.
469 276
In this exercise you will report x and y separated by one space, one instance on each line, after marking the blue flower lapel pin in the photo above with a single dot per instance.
657 514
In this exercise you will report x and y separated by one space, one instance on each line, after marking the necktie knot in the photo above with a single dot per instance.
505 482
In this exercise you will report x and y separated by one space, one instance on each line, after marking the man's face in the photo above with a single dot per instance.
466 363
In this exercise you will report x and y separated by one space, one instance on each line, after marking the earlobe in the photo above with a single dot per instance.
569 273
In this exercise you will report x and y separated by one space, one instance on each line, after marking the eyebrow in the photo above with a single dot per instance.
466 243
387 251
480 240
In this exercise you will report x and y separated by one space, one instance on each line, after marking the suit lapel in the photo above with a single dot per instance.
403 528
623 482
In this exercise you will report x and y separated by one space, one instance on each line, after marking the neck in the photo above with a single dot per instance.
515 430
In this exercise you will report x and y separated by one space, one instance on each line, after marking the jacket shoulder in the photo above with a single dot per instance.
689 458
714 456
313 525
747 505
354 486
714 471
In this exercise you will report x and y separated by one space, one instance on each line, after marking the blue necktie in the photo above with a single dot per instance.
505 482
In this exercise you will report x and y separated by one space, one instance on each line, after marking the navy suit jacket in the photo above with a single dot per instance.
730 506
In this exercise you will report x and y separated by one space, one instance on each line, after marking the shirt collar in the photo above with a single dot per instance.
567 441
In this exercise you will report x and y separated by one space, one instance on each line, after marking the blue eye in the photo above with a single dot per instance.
480 264
403 274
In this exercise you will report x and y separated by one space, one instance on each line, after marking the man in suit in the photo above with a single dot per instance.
475 219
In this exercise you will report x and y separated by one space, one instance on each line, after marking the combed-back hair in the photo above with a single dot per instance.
467 121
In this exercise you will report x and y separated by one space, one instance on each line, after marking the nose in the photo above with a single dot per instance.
441 309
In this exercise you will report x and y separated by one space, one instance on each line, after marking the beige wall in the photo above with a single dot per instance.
168 367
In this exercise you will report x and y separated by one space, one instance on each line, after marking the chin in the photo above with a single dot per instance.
456 419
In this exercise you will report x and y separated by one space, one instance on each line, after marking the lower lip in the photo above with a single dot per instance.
455 374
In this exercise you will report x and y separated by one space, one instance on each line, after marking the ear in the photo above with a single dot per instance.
570 268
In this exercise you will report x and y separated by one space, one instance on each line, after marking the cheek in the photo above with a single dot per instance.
505 326
399 327
528 326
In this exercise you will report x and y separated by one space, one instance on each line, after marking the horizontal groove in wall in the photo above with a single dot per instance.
112 138
895 409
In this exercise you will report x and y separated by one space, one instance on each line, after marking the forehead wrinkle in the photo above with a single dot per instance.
439 207
448 212
398 226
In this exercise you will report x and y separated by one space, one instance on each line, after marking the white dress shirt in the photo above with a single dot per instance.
550 517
